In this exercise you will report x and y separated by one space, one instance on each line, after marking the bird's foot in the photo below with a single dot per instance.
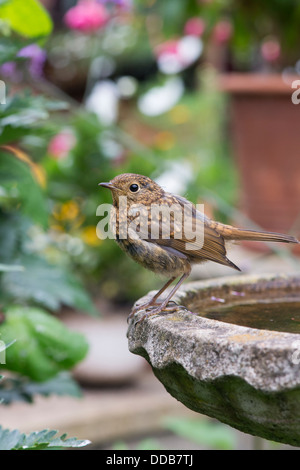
139 307
155 310
148 305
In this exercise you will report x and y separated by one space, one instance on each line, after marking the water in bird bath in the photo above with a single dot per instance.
263 302
268 314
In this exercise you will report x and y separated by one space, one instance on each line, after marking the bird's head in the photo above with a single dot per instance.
138 189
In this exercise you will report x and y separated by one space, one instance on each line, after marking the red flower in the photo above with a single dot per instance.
87 16
194 27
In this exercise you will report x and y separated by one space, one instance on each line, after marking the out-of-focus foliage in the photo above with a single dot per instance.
24 210
21 388
43 345
24 115
238 27
39 345
29 19
210 434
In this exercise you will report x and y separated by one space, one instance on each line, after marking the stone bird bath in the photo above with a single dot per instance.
232 352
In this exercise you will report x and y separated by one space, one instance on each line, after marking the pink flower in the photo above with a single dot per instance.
194 27
61 144
222 31
270 50
87 16
169 47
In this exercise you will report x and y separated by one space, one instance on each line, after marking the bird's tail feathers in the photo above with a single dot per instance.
232 233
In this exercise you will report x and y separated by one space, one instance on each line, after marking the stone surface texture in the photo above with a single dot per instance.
245 377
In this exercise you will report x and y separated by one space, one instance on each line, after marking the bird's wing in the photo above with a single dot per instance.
202 242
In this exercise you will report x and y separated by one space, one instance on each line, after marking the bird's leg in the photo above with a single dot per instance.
164 304
153 300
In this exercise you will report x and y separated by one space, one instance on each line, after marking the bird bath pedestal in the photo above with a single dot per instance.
232 352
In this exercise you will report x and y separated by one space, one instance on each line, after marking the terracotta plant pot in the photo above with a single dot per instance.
266 142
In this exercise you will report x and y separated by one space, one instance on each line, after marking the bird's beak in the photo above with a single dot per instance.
107 185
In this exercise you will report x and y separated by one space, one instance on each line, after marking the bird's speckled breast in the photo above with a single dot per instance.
153 257
158 259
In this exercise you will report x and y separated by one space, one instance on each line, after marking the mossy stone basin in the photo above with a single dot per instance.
231 352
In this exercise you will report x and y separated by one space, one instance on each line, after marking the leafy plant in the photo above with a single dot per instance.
41 440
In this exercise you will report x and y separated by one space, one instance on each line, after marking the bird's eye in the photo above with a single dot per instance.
134 188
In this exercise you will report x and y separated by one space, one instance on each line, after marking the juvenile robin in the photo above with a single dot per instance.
160 231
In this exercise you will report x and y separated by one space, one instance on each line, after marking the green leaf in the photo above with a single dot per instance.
202 432
47 285
28 18
44 346
15 440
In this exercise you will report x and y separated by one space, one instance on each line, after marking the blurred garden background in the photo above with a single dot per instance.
196 94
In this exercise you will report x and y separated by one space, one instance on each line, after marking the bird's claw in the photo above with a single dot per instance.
137 308
157 310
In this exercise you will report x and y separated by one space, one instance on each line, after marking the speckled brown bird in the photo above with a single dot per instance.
170 256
